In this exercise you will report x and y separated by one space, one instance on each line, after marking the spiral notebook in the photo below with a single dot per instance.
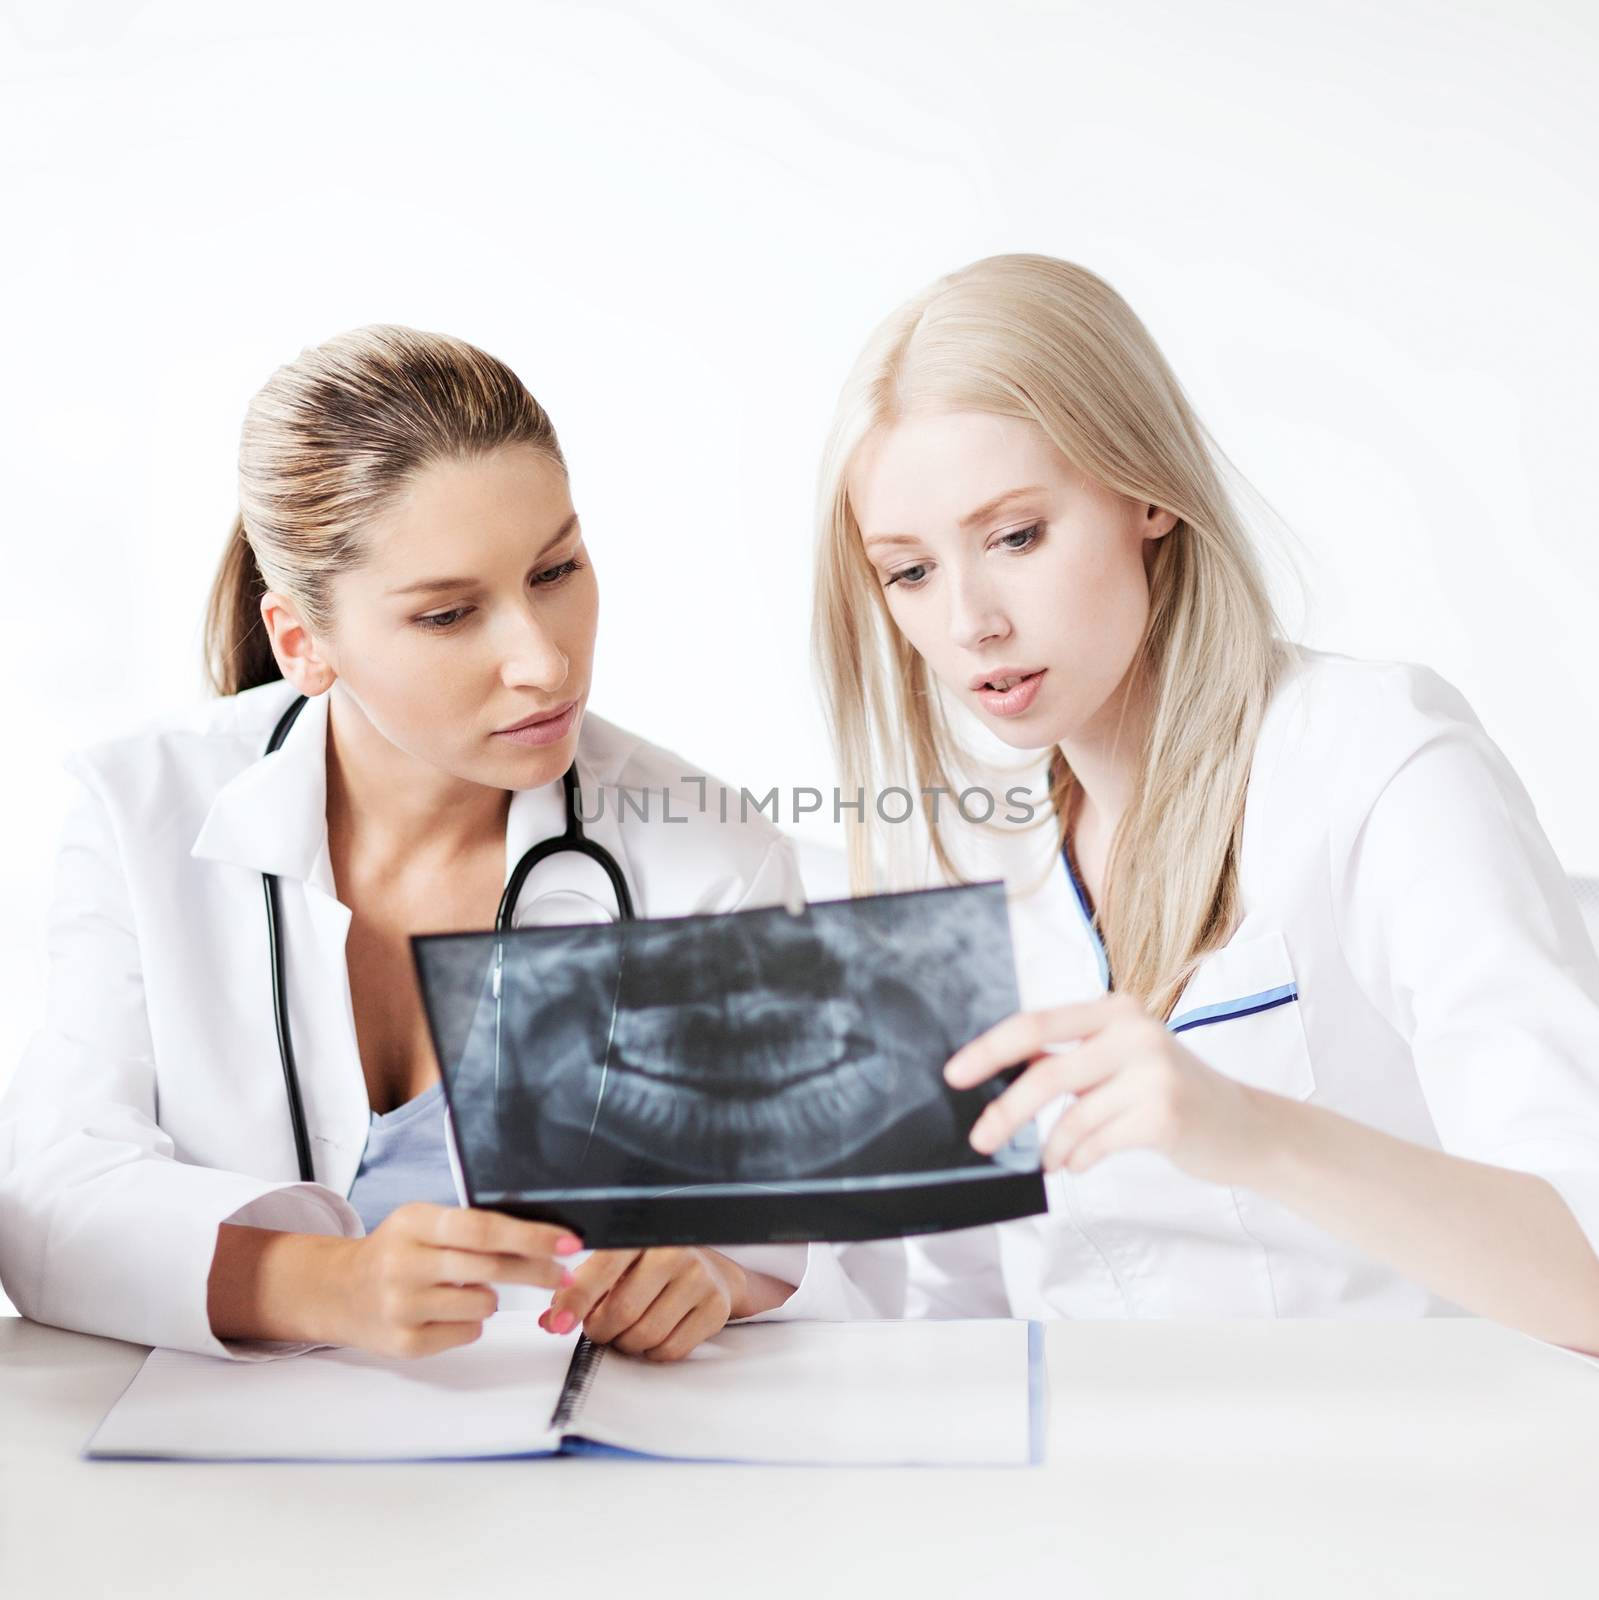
797 1393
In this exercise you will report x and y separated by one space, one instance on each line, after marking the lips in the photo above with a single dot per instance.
553 714
1019 691
1002 677
546 729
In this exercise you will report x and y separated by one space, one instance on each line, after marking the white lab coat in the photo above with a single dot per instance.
150 1107
1410 955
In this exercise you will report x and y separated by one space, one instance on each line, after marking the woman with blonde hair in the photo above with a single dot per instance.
402 638
1310 1020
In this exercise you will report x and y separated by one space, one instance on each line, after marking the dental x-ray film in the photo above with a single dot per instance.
747 1077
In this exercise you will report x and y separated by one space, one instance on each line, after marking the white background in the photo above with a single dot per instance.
1365 234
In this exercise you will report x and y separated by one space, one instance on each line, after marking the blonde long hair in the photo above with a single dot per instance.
328 442
1046 341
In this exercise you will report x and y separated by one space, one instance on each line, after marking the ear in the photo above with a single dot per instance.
299 653
1157 523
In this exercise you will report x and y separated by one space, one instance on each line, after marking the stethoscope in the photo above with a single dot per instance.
573 838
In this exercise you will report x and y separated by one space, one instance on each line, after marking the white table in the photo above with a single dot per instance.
1237 1459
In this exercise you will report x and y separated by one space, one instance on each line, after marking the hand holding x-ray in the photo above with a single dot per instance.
748 1077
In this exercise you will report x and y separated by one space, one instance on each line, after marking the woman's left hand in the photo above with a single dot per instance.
1136 1087
659 1304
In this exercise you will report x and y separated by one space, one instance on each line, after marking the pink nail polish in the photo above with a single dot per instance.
562 1322
568 1244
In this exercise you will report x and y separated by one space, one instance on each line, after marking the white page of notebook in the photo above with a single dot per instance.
869 1392
493 1397
885 1393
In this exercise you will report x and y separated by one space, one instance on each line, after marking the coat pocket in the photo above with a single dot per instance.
1241 1014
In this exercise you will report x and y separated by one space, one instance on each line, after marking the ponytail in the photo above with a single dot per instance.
238 650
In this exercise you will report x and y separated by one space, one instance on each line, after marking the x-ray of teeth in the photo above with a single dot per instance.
747 1077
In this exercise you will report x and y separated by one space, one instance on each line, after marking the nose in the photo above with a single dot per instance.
531 656
976 617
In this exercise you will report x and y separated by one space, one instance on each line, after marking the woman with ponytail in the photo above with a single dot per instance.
407 556
1310 1019
238 647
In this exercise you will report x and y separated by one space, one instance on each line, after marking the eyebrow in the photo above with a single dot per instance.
430 585
970 520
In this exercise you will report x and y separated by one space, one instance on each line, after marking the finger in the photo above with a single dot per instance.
424 1338
448 1302
1124 1132
590 1284
704 1322
1089 1114
490 1233
431 1338
469 1266
1049 1077
636 1291
678 1299
1023 1035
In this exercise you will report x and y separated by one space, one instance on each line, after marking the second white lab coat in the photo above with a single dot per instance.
150 1107
1410 955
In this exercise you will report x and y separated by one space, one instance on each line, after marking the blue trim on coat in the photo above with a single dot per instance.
1226 1010
1088 919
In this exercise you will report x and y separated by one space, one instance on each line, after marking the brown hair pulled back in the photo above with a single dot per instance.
328 442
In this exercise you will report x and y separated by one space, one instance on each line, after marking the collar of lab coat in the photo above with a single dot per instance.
272 816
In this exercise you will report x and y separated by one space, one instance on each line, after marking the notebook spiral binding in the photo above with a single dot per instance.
580 1375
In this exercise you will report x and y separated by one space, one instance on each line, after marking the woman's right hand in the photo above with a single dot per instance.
422 1280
